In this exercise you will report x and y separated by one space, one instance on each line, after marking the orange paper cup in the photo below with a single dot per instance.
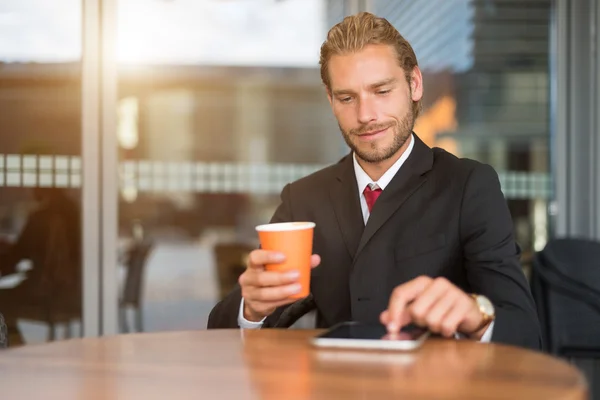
294 240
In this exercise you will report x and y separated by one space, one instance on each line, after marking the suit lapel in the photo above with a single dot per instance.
346 204
409 178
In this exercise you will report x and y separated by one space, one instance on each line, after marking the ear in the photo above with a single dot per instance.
416 84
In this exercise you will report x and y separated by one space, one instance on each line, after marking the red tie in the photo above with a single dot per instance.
371 196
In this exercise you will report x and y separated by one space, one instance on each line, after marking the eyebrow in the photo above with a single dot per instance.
372 86
384 82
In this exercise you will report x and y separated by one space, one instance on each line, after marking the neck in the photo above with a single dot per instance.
377 169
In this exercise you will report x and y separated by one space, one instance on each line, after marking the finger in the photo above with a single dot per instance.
437 312
454 318
401 296
259 278
384 317
249 277
420 308
258 258
315 260
271 294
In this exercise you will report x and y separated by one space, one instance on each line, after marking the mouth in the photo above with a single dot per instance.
372 135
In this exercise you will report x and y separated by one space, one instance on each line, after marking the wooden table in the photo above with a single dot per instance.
277 364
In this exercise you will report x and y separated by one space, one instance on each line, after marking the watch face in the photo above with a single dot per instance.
486 305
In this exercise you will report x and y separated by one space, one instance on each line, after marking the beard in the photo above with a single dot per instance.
374 152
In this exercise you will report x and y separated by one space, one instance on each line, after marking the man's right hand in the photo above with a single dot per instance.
263 291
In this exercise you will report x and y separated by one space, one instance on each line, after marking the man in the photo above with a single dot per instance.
50 239
404 233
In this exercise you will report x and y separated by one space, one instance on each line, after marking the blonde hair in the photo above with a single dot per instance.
357 31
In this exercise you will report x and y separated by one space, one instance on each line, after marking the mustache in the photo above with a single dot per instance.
371 128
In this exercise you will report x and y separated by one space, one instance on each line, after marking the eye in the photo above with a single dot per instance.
383 92
345 100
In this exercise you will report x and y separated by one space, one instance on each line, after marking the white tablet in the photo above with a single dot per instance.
358 335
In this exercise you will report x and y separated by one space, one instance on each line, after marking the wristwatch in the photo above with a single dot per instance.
486 308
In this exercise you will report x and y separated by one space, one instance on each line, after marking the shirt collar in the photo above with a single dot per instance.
362 179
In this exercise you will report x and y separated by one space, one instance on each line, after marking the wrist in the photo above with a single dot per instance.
478 334
486 313
251 315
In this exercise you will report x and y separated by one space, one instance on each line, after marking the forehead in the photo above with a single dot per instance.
371 64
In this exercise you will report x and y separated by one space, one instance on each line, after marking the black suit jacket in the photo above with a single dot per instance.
439 216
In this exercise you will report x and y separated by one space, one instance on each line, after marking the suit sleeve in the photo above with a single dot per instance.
225 313
492 259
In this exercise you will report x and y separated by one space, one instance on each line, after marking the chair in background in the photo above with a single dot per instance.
54 295
231 263
131 297
565 283
56 313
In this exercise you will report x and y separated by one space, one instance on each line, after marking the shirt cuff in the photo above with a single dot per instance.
485 338
244 323
487 335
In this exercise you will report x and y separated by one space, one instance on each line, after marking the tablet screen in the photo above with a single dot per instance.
355 330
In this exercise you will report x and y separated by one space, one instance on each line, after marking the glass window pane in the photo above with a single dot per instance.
40 127
216 116
200 32
216 113
485 67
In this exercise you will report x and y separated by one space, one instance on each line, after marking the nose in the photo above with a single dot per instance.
366 111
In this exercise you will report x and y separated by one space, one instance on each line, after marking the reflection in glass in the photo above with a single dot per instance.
233 32
226 113
485 68
40 168
230 108
40 31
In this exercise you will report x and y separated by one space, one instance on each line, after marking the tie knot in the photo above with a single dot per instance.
371 195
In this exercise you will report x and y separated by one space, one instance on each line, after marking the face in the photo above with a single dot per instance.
372 101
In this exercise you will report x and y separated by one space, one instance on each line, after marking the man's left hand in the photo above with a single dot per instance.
436 304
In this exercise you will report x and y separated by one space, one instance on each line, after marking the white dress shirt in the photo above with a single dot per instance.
363 180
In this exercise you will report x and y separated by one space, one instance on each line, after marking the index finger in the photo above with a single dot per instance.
400 298
258 258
